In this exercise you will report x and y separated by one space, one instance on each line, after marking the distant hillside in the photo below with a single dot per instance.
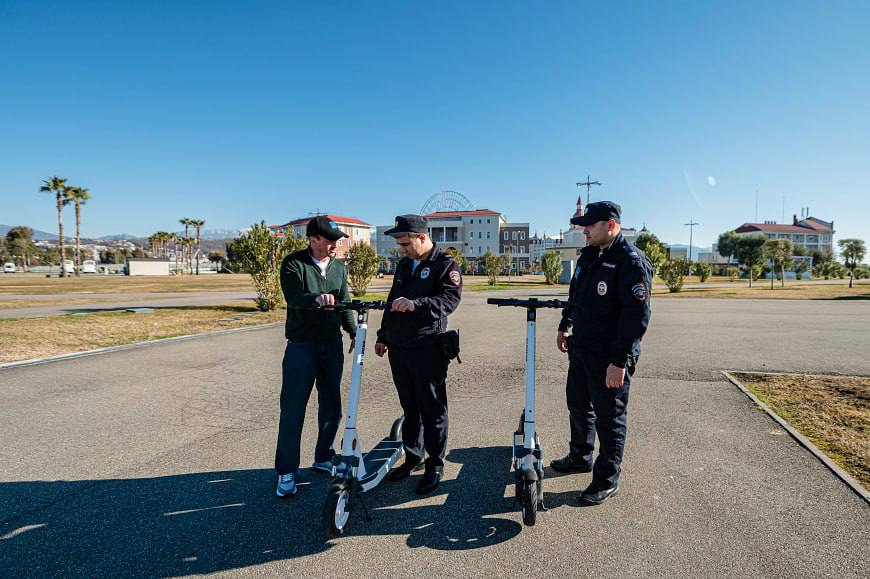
118 237
37 234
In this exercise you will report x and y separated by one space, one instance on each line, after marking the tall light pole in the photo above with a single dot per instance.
691 224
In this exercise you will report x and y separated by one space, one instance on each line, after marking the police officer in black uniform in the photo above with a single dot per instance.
611 291
427 287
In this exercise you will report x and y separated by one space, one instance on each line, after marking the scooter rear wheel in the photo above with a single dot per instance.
336 512
529 501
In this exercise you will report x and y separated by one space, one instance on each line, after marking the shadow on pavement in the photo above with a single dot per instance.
214 521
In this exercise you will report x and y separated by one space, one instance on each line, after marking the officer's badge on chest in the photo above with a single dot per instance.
424 273
602 288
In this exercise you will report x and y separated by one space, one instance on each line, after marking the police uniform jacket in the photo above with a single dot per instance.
435 288
611 293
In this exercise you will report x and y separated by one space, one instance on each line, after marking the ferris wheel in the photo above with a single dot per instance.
446 201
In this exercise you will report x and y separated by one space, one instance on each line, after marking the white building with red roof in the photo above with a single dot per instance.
811 233
358 231
474 232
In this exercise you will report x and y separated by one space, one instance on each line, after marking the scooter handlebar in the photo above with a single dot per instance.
531 303
355 305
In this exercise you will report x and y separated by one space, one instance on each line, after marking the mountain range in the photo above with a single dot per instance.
206 235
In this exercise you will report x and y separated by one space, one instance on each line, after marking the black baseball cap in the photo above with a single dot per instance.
406 224
598 211
323 226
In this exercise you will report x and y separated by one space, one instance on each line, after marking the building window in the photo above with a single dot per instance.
522 234
513 234
478 249
487 221
505 235
487 234
480 235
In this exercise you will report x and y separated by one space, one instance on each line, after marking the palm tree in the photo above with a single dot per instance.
187 248
58 186
197 224
173 237
186 221
78 197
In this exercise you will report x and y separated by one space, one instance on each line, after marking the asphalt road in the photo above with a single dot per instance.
157 461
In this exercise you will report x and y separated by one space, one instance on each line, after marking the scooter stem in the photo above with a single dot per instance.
356 374
529 427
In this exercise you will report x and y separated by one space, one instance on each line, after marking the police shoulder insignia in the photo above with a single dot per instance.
455 277
638 290
602 288
424 273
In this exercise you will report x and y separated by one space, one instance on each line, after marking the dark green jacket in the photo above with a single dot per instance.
302 282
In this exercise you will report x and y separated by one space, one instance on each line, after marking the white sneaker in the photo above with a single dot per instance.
286 485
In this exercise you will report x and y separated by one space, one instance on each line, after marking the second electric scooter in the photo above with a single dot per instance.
528 462
353 472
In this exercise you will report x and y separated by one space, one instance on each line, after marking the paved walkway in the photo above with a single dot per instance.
156 461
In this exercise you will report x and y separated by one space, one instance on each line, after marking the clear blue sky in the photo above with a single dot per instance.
236 112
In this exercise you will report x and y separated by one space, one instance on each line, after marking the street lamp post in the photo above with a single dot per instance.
691 224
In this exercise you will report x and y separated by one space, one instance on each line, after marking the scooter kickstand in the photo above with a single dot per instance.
369 518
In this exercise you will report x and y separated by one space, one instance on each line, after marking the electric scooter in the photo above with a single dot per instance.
527 461
353 472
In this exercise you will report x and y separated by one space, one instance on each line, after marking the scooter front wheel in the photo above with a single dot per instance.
336 511
529 501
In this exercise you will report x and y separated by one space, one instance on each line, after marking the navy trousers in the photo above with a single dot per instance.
596 409
420 376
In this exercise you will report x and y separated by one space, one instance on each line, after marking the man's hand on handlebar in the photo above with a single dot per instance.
325 300
380 349
562 341
402 305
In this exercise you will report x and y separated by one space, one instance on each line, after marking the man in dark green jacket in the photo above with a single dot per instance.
314 355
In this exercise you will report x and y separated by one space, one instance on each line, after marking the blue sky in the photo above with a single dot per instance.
236 112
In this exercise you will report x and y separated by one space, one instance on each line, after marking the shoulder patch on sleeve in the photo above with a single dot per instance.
639 292
455 277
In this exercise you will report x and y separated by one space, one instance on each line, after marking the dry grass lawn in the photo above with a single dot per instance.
763 291
41 285
27 338
832 411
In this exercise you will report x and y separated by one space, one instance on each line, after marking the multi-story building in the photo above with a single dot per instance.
538 246
811 233
514 239
474 233
358 231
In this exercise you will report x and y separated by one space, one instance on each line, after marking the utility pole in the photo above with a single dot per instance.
691 224
588 184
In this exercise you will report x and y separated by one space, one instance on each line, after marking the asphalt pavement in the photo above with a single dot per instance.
157 461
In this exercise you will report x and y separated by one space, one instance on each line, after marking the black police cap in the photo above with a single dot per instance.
323 226
598 211
406 224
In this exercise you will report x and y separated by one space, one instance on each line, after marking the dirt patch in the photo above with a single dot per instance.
832 411
27 338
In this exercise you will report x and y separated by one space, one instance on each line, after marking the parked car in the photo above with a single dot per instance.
9 267
69 267
89 266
